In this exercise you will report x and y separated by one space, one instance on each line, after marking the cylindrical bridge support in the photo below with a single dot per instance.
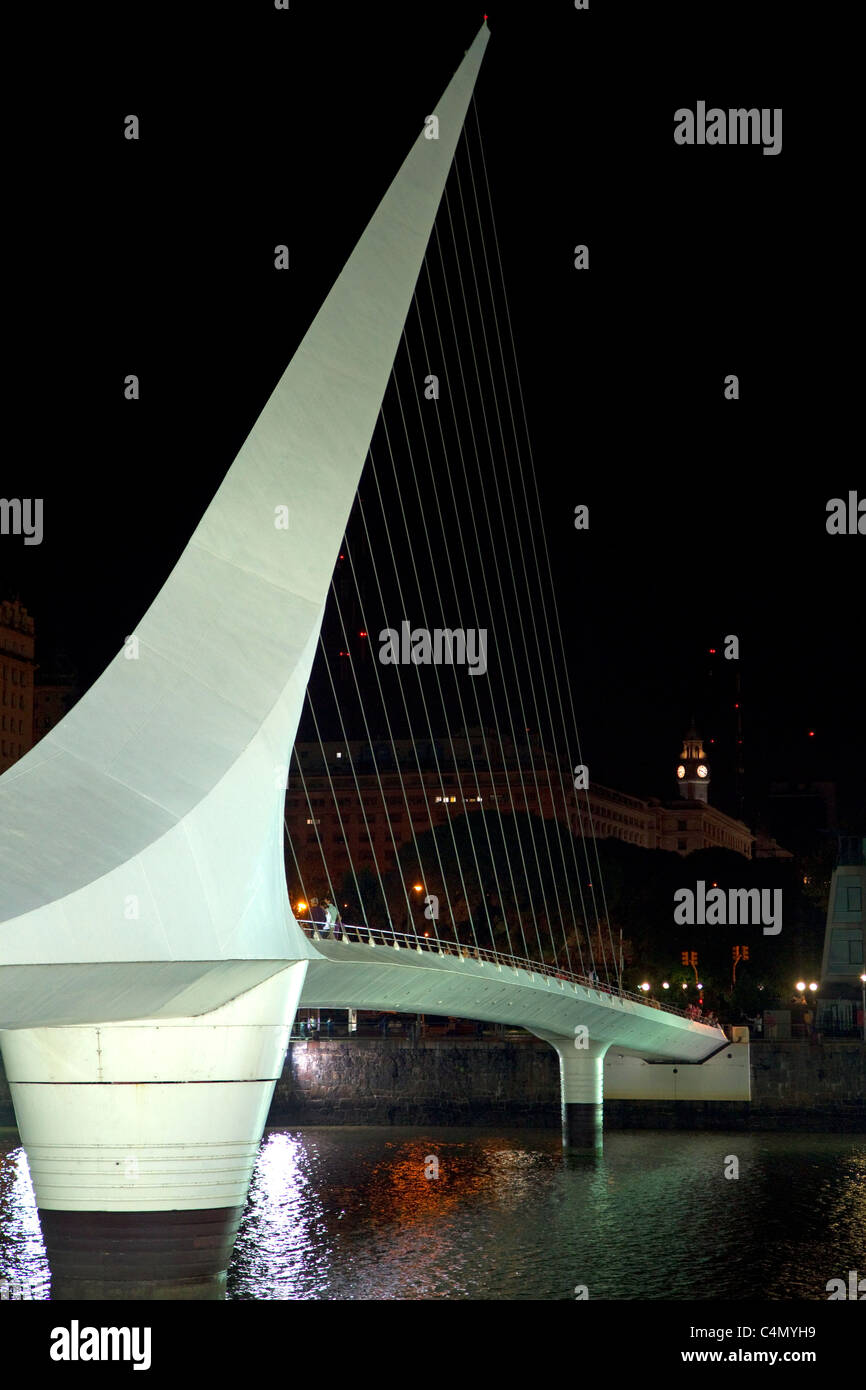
141 1139
581 1074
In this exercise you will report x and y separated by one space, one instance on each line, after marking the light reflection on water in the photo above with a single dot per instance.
22 1249
348 1213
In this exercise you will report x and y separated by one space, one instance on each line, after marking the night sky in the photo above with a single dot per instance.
707 516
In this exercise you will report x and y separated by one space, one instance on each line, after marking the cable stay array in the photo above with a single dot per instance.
448 535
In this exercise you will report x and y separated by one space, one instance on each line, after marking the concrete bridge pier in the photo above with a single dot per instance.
581 1075
141 1139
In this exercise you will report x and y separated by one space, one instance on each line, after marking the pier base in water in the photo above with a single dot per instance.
581 1074
582 1127
139 1254
141 1139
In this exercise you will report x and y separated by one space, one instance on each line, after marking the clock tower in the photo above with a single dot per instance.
693 773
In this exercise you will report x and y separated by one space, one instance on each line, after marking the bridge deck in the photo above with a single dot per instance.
388 970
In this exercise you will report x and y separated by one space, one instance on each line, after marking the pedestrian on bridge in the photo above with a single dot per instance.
335 921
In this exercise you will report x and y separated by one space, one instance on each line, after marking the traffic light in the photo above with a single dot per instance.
694 959
684 957
745 953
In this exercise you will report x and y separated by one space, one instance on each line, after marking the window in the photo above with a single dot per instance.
855 951
854 899
681 844
681 825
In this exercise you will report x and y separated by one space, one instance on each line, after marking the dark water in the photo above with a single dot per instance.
349 1213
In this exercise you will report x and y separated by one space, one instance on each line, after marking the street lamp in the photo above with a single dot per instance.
410 928
801 987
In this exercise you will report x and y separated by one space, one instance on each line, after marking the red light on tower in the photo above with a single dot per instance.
362 634
712 651
811 733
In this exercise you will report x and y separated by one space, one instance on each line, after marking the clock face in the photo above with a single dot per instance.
703 770
681 772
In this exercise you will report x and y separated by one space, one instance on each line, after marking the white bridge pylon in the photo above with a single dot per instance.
150 964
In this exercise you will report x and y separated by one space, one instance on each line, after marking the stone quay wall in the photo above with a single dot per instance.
514 1083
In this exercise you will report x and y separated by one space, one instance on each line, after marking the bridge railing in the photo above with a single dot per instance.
438 946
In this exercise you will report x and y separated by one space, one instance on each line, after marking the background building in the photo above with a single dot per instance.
840 1005
348 803
32 699
17 669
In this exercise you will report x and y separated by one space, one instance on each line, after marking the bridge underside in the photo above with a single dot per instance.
72 992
